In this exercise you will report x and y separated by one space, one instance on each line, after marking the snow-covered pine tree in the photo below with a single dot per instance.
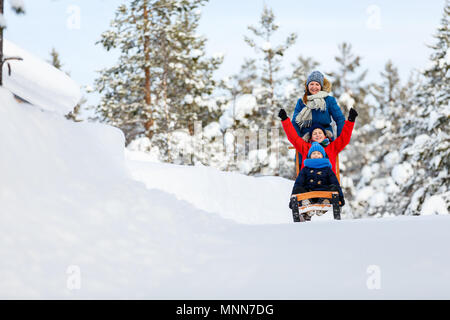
350 90
268 92
162 79
270 56
348 80
426 132
376 191
239 107
54 59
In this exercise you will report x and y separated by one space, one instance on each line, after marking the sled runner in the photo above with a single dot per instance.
304 213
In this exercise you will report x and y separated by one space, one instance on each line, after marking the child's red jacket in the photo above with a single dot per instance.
332 149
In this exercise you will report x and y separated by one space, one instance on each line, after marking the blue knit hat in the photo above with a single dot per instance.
315 76
316 147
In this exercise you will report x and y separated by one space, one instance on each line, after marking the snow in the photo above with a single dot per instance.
402 172
391 159
38 82
266 46
447 57
3 23
17 4
347 100
218 55
212 130
434 205
72 205
188 99
243 106
196 53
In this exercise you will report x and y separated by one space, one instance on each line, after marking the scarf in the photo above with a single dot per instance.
317 163
325 142
315 102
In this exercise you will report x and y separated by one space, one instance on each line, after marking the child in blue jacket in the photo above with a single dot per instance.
316 175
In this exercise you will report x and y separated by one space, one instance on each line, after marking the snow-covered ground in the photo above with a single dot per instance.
79 219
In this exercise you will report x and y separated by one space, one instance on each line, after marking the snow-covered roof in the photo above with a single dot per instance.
38 82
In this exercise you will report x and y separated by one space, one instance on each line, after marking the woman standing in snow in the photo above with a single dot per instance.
317 107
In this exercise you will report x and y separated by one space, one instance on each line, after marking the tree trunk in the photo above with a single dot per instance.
166 107
272 93
147 85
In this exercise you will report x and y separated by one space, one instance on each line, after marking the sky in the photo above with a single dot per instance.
378 30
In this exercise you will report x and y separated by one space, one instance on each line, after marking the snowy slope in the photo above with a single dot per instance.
67 200
244 199
38 82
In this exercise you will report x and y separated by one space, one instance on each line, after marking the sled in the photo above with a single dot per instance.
299 211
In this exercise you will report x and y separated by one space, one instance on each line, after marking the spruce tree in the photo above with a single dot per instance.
426 130
54 59
381 144
271 57
163 79
350 90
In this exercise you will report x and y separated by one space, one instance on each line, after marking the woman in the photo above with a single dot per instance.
317 107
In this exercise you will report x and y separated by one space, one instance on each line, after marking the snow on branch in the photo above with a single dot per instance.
18 6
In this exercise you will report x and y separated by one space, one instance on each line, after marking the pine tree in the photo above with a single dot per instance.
267 89
426 130
348 79
408 155
163 79
54 59
350 90
271 55
380 149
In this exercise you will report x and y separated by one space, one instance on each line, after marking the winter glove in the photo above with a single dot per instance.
342 201
352 114
282 114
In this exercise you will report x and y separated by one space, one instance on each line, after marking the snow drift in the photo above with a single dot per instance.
67 199
38 82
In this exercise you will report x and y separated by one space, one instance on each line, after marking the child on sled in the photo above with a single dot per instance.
316 175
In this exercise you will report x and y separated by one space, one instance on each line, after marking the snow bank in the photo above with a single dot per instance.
244 199
38 82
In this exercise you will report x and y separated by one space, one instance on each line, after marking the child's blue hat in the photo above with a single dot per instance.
316 147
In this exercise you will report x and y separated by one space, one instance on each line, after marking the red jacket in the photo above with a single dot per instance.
332 149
